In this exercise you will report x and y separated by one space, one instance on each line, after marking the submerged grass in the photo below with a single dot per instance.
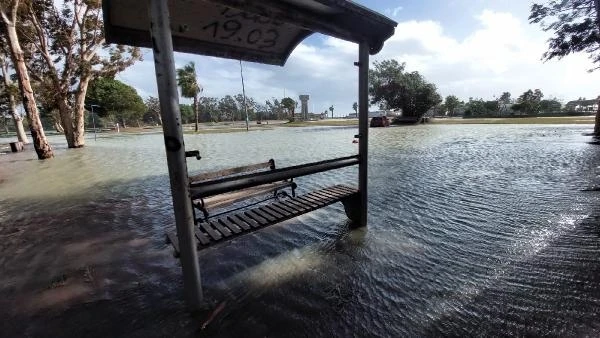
348 122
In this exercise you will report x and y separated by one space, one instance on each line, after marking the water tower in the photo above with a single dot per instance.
304 111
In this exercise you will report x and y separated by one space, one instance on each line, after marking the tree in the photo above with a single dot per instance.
209 106
355 107
529 102
475 108
116 99
505 98
274 108
70 50
551 105
9 13
187 113
10 92
228 108
290 105
331 110
503 103
452 103
574 23
153 108
190 88
391 87
576 28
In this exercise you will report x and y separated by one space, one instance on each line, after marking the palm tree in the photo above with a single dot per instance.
331 109
190 88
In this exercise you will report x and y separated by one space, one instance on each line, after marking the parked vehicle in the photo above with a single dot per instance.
380 121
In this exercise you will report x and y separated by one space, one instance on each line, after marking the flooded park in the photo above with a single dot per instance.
472 230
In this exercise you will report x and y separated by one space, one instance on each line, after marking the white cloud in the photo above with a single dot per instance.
393 11
501 54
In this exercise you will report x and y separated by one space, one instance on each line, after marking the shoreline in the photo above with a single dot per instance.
228 127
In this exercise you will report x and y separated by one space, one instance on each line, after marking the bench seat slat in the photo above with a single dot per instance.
271 212
258 218
202 238
311 201
220 228
239 222
326 195
248 220
296 202
230 225
282 209
288 207
279 211
210 231
270 218
224 228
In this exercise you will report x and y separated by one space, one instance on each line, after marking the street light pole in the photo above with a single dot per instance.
94 119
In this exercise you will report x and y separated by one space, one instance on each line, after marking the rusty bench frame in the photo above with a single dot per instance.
205 202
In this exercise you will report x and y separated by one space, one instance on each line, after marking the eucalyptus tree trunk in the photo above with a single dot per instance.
12 105
40 143
18 121
79 130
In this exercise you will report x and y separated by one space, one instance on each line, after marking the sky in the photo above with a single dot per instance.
468 48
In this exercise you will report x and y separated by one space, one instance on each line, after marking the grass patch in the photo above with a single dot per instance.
519 120
224 130
333 123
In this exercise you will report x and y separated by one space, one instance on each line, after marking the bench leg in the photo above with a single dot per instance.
353 209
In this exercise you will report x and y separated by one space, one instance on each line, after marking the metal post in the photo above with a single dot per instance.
94 120
164 65
244 93
363 127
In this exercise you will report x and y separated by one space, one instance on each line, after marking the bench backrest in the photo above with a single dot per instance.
203 177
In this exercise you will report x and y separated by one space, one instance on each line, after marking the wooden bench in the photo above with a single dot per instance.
208 203
224 228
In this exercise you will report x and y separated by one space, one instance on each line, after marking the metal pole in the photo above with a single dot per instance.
164 65
244 94
93 122
363 127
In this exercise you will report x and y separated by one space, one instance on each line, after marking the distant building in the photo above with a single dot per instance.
588 106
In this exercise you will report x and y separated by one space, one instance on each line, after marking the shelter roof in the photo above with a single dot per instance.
264 31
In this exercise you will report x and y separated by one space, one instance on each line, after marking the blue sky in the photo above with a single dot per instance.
469 48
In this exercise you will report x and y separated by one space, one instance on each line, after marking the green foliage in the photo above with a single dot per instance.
289 104
550 106
529 102
228 108
505 98
451 104
574 24
187 113
152 114
187 81
391 86
209 107
115 99
481 108
274 109
355 107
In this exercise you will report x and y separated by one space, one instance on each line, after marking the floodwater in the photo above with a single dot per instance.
473 230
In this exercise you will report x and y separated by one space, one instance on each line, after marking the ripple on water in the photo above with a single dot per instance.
473 230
